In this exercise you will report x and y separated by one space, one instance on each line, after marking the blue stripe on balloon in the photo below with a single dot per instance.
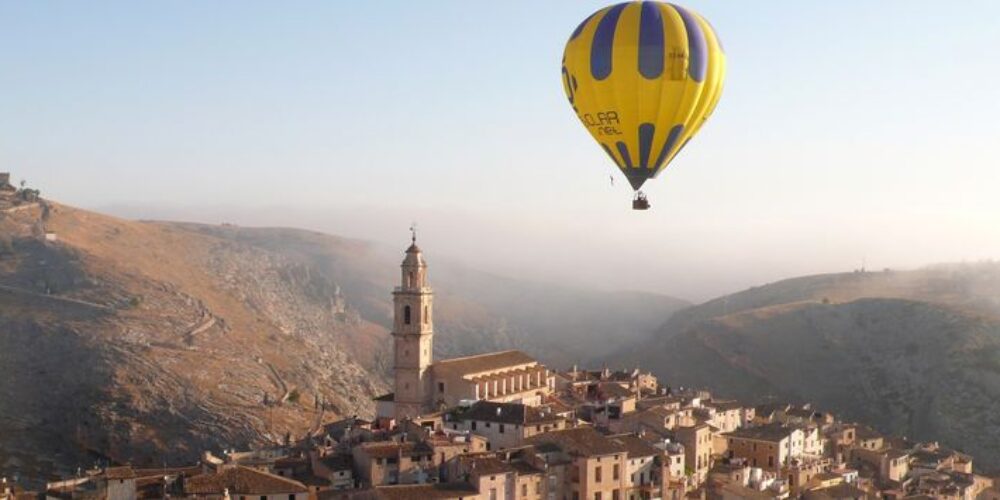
672 137
697 45
623 150
603 43
646 131
651 47
579 29
612 155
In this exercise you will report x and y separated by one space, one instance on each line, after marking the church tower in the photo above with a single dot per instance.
413 336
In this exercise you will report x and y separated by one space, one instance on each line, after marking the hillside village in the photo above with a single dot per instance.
504 426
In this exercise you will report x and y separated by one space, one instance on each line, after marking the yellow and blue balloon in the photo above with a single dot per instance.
643 77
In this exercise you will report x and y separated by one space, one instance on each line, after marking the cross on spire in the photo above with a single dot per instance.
413 233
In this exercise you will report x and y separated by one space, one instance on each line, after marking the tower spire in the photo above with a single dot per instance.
413 334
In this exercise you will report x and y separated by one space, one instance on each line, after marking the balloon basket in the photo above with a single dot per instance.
640 202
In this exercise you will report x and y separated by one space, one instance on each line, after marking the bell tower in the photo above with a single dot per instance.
413 335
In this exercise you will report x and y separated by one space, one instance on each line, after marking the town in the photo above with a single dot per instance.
502 425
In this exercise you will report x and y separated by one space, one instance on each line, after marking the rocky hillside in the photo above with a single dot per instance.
120 339
914 353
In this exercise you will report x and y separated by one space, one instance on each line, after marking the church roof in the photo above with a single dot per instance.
494 361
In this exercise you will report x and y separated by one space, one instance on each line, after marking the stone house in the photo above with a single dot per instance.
698 446
769 446
504 425
596 466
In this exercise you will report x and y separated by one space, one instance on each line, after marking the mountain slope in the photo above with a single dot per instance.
123 339
914 353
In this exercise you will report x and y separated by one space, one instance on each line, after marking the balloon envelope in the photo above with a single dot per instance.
643 77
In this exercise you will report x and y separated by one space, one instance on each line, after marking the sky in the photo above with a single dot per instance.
849 133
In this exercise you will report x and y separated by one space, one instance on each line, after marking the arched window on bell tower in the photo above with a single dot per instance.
406 315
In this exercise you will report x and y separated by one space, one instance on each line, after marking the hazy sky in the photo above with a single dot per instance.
848 131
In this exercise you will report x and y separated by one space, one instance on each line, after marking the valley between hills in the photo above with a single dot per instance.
123 340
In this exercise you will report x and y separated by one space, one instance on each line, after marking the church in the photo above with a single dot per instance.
423 386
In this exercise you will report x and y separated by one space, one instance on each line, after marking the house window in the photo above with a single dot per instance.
441 387
427 315
493 494
770 461
501 428
597 475
597 495
614 472
473 425
615 495
487 425
291 496
524 490
406 315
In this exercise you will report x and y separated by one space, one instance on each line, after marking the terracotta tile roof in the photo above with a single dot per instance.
241 480
771 432
864 432
840 491
425 491
472 365
634 445
159 472
337 462
724 405
486 465
506 413
525 469
583 441
614 390
389 449
124 472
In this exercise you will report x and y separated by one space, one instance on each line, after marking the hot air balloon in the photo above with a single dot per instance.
643 77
